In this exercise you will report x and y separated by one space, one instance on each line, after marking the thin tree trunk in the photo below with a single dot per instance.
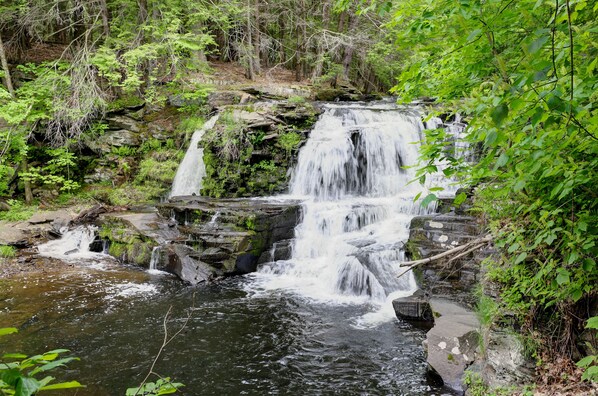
349 50
256 39
318 69
250 73
7 78
105 18
11 91
26 183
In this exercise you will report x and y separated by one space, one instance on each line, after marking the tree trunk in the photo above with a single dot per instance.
26 183
256 39
319 67
11 91
250 73
105 18
5 69
350 49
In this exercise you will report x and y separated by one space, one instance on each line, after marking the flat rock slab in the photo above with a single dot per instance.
452 342
20 233
149 224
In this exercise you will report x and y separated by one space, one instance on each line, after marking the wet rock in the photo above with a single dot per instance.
415 308
452 342
234 234
10 235
184 262
433 234
214 255
281 250
246 263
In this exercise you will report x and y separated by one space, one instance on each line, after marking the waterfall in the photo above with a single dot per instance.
73 245
354 174
192 169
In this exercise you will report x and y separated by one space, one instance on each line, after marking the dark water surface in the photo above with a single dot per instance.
234 342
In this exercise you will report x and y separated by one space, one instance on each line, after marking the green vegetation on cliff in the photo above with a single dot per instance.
523 73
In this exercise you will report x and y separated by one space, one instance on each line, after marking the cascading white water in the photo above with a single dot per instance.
192 169
73 245
354 174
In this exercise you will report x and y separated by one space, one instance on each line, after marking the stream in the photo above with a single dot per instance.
235 342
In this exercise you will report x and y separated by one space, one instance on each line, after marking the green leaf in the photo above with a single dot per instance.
26 386
591 374
474 34
8 330
538 43
520 257
54 364
562 277
588 264
428 199
63 385
14 356
519 185
513 247
582 226
460 198
592 323
576 295
501 161
585 362
499 113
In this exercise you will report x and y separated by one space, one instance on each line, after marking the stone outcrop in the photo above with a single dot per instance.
452 342
231 235
433 234
414 309
41 226
252 147
505 363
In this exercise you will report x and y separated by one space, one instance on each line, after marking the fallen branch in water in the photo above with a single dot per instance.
468 247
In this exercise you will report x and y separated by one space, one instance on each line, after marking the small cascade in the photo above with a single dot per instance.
153 265
214 219
354 172
192 169
73 245
155 260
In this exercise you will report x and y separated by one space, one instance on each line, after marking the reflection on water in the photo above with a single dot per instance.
234 343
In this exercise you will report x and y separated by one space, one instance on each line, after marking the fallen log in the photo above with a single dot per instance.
468 247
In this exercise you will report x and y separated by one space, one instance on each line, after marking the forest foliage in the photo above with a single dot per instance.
66 62
524 75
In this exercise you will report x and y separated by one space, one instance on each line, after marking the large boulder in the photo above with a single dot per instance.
505 363
414 309
113 138
185 262
234 235
452 342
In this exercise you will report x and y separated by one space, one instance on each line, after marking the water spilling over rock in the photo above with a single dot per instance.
191 171
355 173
